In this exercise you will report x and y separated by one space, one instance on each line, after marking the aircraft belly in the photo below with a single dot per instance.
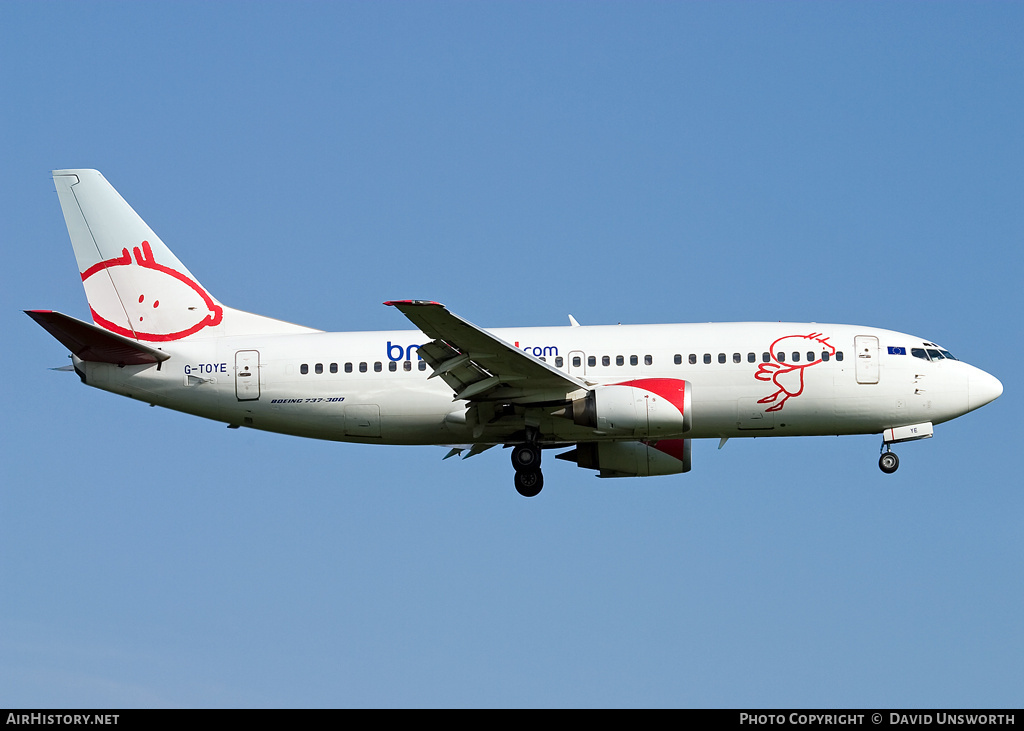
370 414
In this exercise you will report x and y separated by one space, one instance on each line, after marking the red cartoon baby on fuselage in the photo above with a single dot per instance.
789 377
161 303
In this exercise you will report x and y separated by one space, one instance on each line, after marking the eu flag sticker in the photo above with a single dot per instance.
897 351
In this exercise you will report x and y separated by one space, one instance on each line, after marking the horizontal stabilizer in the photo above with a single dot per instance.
93 343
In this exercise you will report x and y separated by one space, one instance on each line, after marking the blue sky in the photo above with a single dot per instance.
623 162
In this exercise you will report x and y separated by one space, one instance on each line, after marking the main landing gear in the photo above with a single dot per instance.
526 460
888 462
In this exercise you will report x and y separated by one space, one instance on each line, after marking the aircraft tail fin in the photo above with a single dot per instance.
136 286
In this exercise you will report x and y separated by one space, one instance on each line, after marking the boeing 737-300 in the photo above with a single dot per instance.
624 400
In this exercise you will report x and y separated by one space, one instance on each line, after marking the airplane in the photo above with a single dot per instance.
623 400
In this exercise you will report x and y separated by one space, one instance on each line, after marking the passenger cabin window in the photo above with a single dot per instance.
825 356
422 365
693 359
606 360
678 359
362 367
766 357
707 358
796 357
407 365
334 367
619 360
319 368
781 357
736 358
576 361
304 368
559 361
648 360
377 367
810 356
591 360
392 365
839 355
751 358
633 360
721 357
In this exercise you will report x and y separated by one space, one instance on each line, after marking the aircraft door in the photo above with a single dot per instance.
577 363
866 347
247 375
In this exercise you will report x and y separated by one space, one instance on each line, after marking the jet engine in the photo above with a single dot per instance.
633 459
647 407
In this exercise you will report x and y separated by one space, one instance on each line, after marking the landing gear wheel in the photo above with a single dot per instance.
529 482
888 463
526 457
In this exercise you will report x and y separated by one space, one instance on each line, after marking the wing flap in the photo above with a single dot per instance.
93 343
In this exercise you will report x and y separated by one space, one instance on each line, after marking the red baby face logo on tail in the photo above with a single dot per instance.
788 378
161 303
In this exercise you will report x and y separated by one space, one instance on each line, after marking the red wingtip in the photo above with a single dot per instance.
395 303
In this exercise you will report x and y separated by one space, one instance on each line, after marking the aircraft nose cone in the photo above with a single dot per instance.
982 389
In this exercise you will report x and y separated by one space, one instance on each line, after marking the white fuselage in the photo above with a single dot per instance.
748 379
623 400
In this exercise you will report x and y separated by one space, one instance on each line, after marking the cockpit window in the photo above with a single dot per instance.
935 353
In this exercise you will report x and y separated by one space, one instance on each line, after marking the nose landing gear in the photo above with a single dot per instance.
526 459
888 462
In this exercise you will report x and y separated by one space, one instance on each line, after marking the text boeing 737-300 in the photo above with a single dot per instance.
625 401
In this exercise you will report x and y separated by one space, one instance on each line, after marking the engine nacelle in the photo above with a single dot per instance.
634 459
646 407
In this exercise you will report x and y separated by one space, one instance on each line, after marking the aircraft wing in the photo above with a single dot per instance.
479 366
